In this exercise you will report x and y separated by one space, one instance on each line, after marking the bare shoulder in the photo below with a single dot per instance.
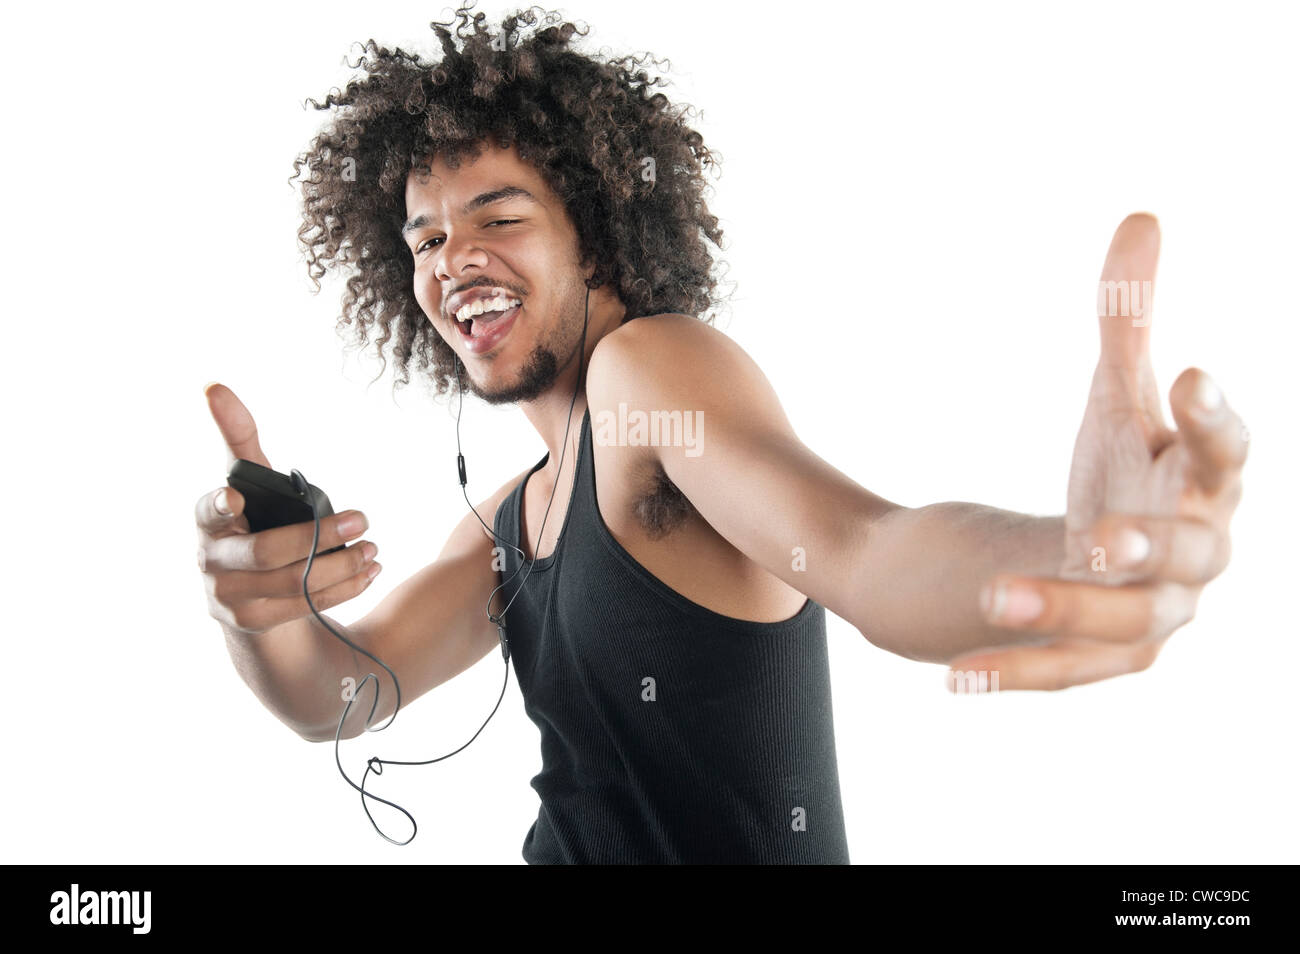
676 361
669 334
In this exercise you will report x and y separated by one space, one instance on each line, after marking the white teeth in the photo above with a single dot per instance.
500 303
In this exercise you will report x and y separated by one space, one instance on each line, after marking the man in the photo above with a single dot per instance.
527 223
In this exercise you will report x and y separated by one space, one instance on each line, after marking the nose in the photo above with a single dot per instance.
457 255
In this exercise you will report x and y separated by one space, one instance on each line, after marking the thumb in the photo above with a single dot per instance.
235 423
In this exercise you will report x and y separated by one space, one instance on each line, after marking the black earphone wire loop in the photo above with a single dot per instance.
311 558
376 764
523 557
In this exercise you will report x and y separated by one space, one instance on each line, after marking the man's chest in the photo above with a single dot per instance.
640 511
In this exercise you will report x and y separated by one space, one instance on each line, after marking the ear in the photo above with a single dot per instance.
597 272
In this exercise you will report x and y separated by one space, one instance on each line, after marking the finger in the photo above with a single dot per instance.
239 586
236 424
1130 548
1054 667
283 546
220 512
1126 290
1216 439
263 614
1119 614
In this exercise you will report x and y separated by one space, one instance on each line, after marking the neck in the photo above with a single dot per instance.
550 414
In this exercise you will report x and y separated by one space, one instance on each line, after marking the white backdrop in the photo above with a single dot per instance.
958 167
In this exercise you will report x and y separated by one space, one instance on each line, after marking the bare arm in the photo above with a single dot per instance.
1074 599
429 629
926 607
907 578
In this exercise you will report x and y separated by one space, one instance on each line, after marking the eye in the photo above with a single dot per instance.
420 248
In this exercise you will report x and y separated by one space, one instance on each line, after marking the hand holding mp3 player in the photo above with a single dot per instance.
255 536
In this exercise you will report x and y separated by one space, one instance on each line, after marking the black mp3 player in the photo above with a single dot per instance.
270 499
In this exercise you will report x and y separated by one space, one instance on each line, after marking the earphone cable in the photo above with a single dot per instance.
500 620
375 764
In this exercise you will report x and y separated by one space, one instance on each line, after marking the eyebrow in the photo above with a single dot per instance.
480 200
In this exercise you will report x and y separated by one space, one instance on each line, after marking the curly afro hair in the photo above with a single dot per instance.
628 169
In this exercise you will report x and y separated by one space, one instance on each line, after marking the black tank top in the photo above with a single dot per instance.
670 733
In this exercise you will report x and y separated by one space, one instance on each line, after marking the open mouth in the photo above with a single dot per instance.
482 332
480 325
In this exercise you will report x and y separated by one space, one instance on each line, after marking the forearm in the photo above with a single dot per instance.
297 672
920 581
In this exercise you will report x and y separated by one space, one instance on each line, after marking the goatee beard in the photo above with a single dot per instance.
538 375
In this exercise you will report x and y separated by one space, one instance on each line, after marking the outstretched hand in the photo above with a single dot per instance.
1148 507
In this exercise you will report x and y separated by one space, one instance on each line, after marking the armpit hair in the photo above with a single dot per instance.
663 508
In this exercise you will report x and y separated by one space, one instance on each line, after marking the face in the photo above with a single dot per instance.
494 223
